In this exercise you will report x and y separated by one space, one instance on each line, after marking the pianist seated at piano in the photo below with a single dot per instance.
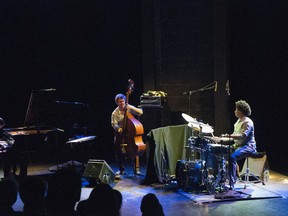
6 151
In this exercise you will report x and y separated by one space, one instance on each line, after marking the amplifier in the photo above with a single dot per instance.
151 100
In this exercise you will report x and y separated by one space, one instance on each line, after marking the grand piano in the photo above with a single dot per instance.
37 133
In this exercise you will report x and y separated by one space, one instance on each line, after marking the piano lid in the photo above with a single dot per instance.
41 108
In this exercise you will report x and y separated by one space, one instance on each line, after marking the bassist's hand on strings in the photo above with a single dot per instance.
119 130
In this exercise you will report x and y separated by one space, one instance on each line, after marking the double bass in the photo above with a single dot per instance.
132 144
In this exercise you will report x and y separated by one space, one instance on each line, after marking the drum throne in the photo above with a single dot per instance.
249 177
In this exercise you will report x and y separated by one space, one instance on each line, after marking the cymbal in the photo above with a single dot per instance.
206 128
189 119
201 126
194 126
193 123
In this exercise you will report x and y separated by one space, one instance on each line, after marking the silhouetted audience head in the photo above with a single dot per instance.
2 123
8 196
32 191
150 206
103 200
64 191
119 198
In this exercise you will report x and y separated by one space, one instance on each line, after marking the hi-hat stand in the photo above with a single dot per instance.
221 176
231 192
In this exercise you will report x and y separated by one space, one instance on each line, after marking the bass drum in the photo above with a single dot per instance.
189 173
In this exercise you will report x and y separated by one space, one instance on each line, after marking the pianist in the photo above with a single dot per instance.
10 155
6 151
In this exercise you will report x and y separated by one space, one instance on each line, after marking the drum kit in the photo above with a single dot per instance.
204 168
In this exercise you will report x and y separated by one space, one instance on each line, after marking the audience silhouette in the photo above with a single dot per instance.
103 200
32 190
63 195
64 191
119 199
150 206
8 196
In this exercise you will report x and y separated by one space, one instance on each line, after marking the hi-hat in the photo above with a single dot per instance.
194 126
192 122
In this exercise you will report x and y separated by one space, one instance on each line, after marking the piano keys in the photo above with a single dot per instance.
27 132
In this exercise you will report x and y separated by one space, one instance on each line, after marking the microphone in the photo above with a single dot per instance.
71 103
188 92
51 89
227 87
215 87
44 90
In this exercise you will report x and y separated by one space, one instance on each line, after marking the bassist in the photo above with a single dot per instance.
117 118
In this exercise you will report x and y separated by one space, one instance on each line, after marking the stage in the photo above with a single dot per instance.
267 199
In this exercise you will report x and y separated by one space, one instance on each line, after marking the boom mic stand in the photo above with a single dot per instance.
212 85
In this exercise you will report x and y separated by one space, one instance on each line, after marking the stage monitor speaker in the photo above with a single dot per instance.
256 166
99 171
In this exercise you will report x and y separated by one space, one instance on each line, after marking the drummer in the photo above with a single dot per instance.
243 136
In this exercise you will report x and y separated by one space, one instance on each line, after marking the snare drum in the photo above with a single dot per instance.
197 143
218 150
213 156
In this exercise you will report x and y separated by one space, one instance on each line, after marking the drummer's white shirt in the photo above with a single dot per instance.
244 127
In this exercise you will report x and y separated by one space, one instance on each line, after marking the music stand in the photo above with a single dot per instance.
73 163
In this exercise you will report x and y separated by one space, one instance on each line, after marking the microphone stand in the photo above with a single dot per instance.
212 85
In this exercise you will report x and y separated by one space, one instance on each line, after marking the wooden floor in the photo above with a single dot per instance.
176 204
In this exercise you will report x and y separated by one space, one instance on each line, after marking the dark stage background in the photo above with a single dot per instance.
87 50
